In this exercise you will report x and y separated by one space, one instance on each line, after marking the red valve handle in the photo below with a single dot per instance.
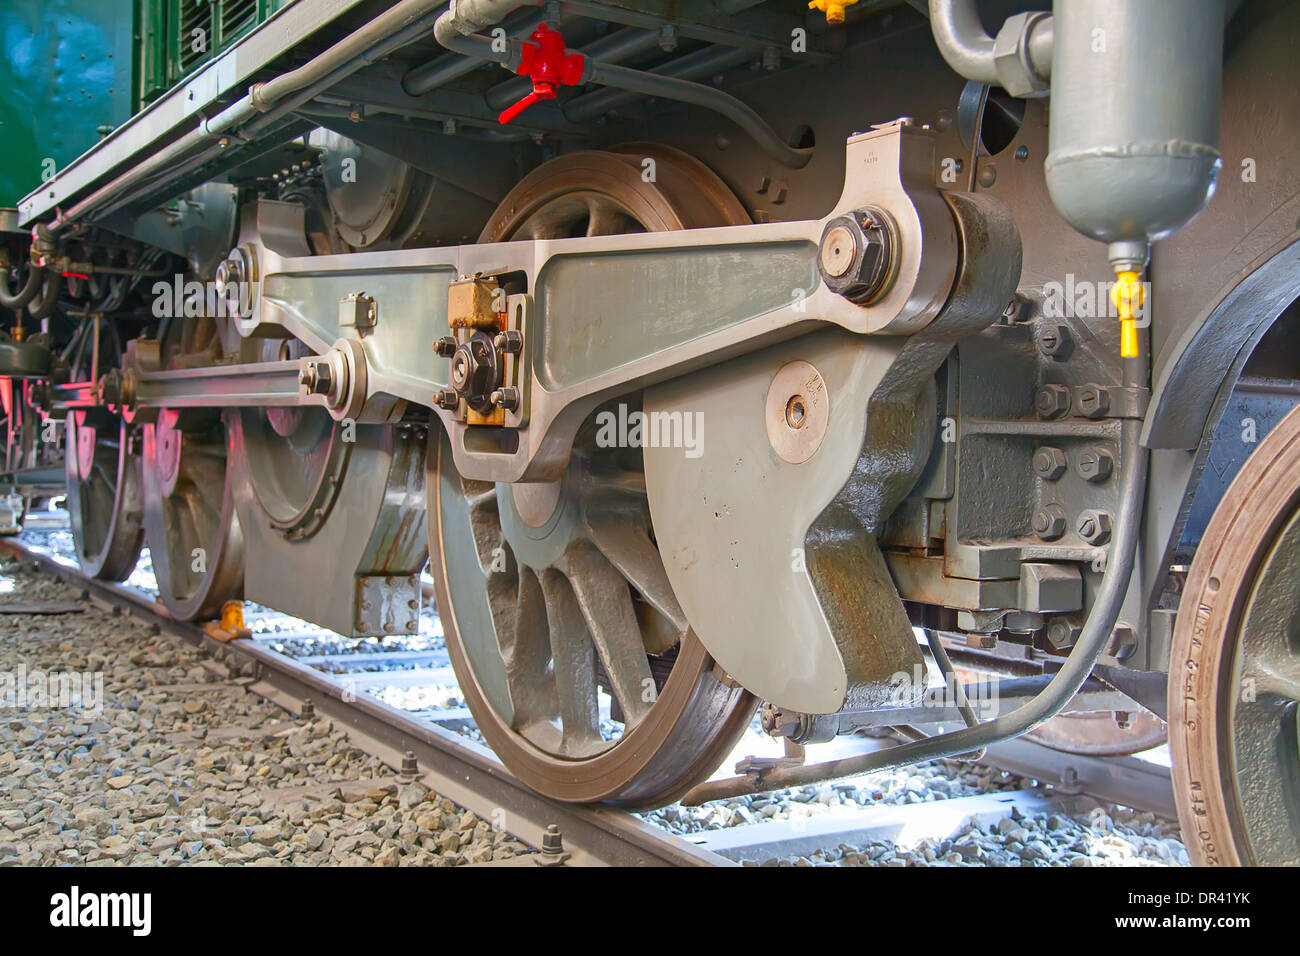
537 95
549 65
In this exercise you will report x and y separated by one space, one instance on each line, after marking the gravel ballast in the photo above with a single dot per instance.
179 766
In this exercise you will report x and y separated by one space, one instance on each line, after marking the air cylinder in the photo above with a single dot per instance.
1133 144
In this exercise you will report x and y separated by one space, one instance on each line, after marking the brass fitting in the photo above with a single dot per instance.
1127 296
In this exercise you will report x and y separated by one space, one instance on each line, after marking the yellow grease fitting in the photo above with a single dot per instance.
834 9
1127 295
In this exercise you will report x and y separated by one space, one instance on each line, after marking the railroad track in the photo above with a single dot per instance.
439 739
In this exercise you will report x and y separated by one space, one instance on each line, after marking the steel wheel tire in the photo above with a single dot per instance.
1234 671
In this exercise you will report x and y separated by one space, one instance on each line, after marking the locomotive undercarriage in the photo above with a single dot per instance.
958 458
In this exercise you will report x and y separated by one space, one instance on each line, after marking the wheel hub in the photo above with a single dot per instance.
168 437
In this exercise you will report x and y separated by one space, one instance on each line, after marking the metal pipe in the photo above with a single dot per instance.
428 77
18 300
693 65
399 24
450 32
962 41
697 94
354 46
615 48
43 305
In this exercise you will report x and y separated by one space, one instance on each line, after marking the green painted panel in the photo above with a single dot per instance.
197 30
605 311
65 71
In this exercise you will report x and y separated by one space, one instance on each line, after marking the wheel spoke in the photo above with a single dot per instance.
525 649
1277 673
606 603
604 218
575 665
628 547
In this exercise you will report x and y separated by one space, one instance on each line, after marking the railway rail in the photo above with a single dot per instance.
447 758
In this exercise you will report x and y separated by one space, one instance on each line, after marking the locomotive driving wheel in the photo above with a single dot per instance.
1234 673
105 508
189 515
570 647
190 523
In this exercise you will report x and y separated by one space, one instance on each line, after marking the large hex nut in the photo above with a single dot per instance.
1011 54
1052 401
1049 522
1054 340
1049 463
1094 400
855 258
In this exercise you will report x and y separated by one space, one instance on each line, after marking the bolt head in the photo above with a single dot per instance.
1049 522
1094 526
1094 401
1054 340
1063 632
1049 463
509 342
507 398
1052 401
1095 464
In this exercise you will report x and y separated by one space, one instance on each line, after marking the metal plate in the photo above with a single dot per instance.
732 522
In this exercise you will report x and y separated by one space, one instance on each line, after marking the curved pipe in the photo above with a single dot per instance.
43 306
701 63
685 91
447 32
962 41
352 47
428 77
18 300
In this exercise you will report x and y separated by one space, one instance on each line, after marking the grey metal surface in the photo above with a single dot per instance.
1136 165
1128 781
369 541
746 586
891 167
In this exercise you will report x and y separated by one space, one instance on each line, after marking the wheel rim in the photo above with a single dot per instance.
531 632
603 193
1235 669
557 611
189 516
105 508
